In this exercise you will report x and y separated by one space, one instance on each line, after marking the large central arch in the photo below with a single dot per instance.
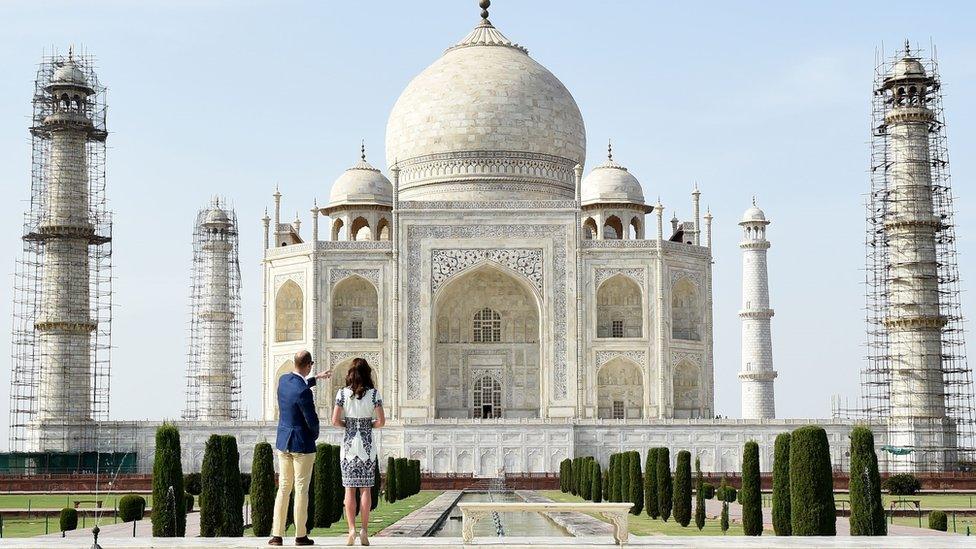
486 331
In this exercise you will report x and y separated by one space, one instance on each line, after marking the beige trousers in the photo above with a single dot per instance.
294 471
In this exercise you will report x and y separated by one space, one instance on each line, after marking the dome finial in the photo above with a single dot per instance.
908 49
610 150
484 5
753 200
362 150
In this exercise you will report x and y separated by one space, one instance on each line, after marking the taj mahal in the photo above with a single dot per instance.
518 308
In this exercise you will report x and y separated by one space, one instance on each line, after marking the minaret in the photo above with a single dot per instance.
757 372
912 318
214 357
64 323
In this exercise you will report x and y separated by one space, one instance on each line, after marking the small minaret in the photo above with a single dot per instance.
757 372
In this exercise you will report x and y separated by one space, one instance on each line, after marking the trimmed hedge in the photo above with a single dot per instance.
596 484
403 481
616 481
636 483
724 521
708 489
812 509
338 491
664 490
232 523
752 520
131 507
781 485
650 484
391 479
902 484
682 489
699 496
212 486
626 477
585 479
324 496
68 520
262 489
938 521
867 510
188 502
192 483
169 511
726 492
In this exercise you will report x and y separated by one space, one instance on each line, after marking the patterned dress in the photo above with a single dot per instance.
358 453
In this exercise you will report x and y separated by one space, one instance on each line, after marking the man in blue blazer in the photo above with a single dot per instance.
298 427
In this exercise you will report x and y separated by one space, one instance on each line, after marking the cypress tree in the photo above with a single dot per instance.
752 520
585 480
403 482
338 491
626 476
212 487
416 476
725 517
867 511
781 485
377 485
611 473
596 487
323 498
169 516
699 496
682 489
664 492
616 487
262 489
232 521
391 487
605 493
636 484
650 484
812 509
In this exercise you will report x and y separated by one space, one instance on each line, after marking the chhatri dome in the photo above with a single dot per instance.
611 183
753 214
483 122
362 184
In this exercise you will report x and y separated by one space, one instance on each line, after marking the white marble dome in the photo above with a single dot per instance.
753 215
485 121
611 183
68 74
361 184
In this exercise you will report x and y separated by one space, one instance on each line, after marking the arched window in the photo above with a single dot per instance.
360 229
486 399
620 390
589 229
686 313
289 312
635 228
686 387
383 229
613 229
354 309
487 326
619 311
337 230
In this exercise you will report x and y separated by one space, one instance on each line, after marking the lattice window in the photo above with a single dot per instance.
487 326
617 329
356 332
487 398
618 409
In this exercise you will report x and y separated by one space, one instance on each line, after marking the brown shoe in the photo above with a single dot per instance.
275 540
304 541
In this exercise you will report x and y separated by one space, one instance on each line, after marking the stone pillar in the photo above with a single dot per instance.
757 372
215 373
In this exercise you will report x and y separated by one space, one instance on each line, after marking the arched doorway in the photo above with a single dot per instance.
486 346
354 309
289 312
619 308
687 390
620 390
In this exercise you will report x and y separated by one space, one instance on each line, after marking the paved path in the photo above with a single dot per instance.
417 523
109 530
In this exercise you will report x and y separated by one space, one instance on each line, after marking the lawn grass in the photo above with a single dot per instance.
384 515
59 501
644 525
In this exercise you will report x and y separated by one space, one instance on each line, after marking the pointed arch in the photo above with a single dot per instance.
620 390
619 308
289 312
686 388
337 230
383 229
359 230
636 228
613 229
590 229
686 310
355 309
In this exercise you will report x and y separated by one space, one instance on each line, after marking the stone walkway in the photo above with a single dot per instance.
109 530
580 525
423 520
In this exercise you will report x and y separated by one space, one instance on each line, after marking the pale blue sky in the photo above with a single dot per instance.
746 98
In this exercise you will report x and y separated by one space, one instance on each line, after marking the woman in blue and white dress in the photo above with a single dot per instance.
359 410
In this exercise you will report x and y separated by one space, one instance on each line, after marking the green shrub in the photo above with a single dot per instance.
650 484
616 487
902 484
724 524
232 520
626 476
262 489
867 510
812 509
682 489
246 483
596 485
68 520
751 494
377 486
636 484
391 480
726 492
338 491
708 489
403 482
132 507
212 487
664 490
699 496
585 479
191 483
188 502
324 498
781 485
937 521
169 516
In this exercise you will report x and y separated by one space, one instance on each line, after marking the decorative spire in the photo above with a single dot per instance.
908 49
362 150
753 200
485 4
609 150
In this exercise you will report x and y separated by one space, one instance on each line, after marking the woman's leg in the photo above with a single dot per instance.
350 504
365 500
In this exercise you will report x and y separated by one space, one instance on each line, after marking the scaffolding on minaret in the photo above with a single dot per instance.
214 356
66 289
916 377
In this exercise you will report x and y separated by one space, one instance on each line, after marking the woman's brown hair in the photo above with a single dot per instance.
359 378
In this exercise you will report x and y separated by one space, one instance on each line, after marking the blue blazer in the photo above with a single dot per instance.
298 424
